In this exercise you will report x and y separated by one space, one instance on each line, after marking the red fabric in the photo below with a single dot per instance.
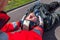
24 35
9 27
20 35
3 19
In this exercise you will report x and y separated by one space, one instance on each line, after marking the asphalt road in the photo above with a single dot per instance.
53 34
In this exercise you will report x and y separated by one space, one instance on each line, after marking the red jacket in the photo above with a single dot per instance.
20 35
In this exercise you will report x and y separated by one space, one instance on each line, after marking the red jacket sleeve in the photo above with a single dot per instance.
11 26
36 34
25 35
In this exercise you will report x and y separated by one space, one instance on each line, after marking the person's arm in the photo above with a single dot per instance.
36 33
11 26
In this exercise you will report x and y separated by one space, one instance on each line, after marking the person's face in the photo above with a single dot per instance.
31 17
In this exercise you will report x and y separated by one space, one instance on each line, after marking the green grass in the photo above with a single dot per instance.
15 3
